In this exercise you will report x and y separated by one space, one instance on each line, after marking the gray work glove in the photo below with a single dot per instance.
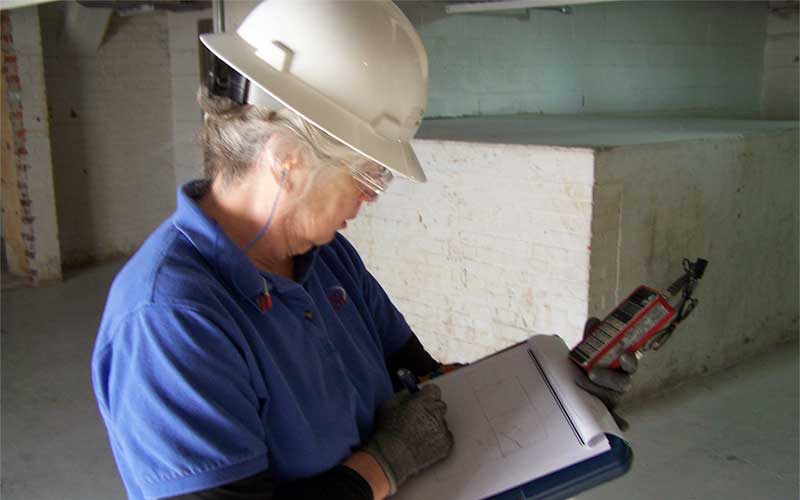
606 383
410 434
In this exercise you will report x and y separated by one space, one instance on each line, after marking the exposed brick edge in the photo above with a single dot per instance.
13 90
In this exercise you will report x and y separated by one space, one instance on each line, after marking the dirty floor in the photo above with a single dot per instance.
732 435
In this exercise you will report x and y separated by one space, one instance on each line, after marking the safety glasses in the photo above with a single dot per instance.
372 179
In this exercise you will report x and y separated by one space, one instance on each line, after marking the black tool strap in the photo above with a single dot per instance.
687 283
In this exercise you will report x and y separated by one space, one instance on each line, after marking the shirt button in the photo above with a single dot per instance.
308 315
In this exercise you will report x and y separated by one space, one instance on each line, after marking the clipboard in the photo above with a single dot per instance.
577 478
523 430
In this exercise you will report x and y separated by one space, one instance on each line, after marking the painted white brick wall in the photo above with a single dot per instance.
687 58
781 63
30 65
732 201
111 132
507 241
492 249
186 114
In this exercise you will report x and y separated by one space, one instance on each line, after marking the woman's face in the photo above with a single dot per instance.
332 199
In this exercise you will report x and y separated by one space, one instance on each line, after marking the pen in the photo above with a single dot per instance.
408 380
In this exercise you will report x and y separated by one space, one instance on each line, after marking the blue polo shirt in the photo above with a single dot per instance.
199 383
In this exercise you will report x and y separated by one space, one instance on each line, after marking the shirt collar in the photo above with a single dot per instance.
228 260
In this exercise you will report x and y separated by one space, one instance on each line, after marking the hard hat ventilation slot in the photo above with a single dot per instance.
277 55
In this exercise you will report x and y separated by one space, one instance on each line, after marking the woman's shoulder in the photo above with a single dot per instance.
165 272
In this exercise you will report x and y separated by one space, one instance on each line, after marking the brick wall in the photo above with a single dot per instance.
111 131
493 249
507 241
688 58
27 99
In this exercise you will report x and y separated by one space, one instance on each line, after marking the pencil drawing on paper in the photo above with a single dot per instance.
503 422
507 407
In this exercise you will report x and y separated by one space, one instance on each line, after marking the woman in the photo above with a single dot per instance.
245 351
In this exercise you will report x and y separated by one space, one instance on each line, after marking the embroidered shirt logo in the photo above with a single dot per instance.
337 296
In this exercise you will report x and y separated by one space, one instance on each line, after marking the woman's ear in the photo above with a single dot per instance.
288 171
278 158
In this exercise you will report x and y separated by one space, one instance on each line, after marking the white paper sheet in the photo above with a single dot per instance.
511 424
589 413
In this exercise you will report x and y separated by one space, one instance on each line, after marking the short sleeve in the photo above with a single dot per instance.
175 389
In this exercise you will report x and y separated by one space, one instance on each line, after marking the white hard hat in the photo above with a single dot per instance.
355 69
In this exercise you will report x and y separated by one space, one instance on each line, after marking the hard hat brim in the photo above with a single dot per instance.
397 156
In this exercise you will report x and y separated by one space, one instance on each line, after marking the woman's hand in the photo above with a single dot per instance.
410 434
606 383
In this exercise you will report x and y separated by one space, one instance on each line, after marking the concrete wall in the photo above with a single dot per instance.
507 241
781 66
731 201
33 177
111 134
494 248
688 58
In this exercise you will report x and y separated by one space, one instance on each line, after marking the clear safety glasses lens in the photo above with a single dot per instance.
372 179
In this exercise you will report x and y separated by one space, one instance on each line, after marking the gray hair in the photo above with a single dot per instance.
233 136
